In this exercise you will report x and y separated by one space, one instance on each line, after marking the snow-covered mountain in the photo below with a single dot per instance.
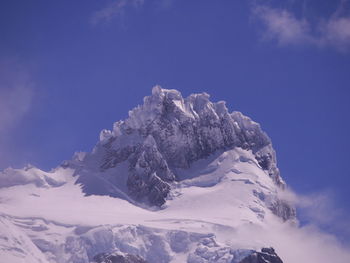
180 180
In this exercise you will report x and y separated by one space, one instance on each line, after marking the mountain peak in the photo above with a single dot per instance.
185 174
168 132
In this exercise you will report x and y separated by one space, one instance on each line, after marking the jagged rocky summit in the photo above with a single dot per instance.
166 135
169 132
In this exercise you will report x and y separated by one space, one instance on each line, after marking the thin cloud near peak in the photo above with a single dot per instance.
16 93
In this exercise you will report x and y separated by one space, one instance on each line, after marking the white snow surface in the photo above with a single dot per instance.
214 214
213 201
218 209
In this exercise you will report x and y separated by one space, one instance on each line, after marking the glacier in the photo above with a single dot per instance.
180 180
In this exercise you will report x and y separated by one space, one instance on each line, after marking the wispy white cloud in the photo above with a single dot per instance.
336 33
16 93
16 99
118 8
307 242
322 210
114 9
284 27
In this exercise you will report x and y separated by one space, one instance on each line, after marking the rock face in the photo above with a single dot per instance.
267 255
169 132
149 174
118 258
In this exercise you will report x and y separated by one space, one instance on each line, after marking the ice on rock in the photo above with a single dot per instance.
79 156
220 108
105 135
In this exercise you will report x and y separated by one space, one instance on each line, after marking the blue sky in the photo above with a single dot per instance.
69 69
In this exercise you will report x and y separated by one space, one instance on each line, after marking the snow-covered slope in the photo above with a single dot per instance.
181 180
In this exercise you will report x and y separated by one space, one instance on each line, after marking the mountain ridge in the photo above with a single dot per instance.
169 132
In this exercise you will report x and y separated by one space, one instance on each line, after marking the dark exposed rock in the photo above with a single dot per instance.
149 174
267 255
118 258
283 209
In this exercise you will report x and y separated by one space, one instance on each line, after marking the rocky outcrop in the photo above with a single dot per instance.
118 258
283 209
267 255
149 174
